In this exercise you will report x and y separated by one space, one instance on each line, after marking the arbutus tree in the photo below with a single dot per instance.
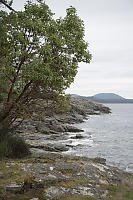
39 57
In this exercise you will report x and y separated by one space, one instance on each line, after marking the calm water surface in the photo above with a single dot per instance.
109 136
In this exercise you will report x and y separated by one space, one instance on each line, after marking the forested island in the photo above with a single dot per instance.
106 98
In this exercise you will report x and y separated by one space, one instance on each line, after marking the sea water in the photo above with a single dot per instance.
109 136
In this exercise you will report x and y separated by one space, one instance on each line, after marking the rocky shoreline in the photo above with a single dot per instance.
52 133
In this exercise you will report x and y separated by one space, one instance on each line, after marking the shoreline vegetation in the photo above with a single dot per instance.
50 174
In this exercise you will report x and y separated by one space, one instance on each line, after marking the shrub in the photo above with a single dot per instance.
12 146
18 147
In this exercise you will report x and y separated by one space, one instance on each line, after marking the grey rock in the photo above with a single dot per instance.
57 128
36 150
78 136
61 147
73 129
42 128
53 132
48 147
50 129
14 187
56 147
50 121
56 137
100 160
31 127
86 190
53 192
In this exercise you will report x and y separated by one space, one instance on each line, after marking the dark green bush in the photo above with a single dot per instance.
12 146
18 147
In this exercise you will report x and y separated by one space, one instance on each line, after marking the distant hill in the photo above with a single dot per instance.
109 98
106 98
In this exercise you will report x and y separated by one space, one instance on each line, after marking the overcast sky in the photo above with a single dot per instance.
109 31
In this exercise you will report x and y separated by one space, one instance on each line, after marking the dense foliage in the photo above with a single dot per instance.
39 56
12 146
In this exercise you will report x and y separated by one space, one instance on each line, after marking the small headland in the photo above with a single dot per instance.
52 132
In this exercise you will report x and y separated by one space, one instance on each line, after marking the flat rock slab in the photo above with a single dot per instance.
49 146
57 176
14 187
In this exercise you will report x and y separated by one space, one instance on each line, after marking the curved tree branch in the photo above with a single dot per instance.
7 5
